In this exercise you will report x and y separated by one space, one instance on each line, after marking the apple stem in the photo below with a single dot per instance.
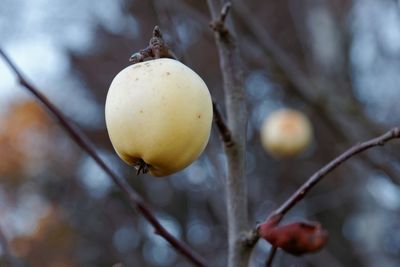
157 48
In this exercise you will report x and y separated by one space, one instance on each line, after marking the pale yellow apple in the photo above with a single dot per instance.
159 112
286 133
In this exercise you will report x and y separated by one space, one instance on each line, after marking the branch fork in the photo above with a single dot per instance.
219 24
276 216
236 187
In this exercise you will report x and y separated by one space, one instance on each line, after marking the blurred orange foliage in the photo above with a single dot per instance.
24 139
50 245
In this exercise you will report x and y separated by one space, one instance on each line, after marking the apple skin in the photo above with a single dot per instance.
286 133
160 112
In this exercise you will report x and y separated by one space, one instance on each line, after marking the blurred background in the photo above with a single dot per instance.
337 61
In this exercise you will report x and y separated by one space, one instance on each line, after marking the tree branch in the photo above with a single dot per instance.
316 177
271 257
236 195
223 129
321 173
134 200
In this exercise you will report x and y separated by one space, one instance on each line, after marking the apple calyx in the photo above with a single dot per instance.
141 167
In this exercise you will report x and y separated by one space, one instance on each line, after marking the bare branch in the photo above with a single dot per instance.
223 129
134 200
230 65
224 11
321 173
316 177
218 25
271 257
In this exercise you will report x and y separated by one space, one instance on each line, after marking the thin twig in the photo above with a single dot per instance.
224 11
134 200
316 177
218 24
223 129
271 257
321 173
236 188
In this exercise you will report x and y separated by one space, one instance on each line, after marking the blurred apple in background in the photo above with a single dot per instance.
286 133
